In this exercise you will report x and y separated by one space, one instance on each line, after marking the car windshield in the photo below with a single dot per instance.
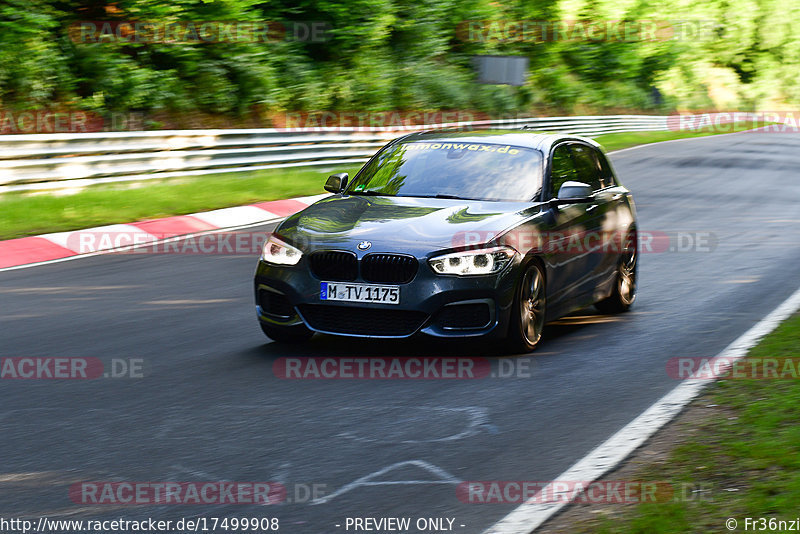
446 169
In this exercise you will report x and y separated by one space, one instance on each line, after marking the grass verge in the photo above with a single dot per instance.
618 141
24 214
739 444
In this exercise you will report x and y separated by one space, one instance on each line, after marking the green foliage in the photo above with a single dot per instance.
398 54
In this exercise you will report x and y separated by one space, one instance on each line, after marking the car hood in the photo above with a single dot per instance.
401 224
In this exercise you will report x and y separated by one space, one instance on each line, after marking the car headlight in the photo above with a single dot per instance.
280 253
471 262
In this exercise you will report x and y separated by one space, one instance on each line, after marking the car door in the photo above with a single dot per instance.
568 264
596 224
617 219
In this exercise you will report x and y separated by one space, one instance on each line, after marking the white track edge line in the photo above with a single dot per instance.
530 515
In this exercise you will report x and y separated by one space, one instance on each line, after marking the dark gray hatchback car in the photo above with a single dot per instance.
455 234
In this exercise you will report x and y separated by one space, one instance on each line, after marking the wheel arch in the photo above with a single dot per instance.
533 257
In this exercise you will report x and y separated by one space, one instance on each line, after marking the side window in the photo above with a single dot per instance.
607 175
562 169
587 165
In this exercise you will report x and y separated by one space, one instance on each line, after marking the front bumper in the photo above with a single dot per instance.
442 306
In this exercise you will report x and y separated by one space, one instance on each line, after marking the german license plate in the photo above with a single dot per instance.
359 293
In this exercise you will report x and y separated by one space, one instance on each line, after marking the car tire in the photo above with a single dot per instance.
624 292
287 334
528 313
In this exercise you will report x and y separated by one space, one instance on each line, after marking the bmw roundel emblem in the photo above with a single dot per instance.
364 245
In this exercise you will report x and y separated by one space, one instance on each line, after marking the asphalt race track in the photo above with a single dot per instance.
209 407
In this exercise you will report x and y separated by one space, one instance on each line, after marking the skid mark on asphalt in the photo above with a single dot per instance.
171 426
477 421
202 475
369 480
179 302
66 289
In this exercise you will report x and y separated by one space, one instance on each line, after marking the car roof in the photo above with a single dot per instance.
525 138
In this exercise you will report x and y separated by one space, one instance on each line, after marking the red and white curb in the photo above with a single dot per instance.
29 251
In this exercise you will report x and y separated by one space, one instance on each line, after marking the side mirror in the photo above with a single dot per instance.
336 182
574 193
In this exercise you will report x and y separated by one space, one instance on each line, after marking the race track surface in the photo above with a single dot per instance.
209 407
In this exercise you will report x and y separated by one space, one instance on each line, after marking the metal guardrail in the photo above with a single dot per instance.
62 161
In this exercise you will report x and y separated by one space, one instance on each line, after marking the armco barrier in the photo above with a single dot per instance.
59 161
